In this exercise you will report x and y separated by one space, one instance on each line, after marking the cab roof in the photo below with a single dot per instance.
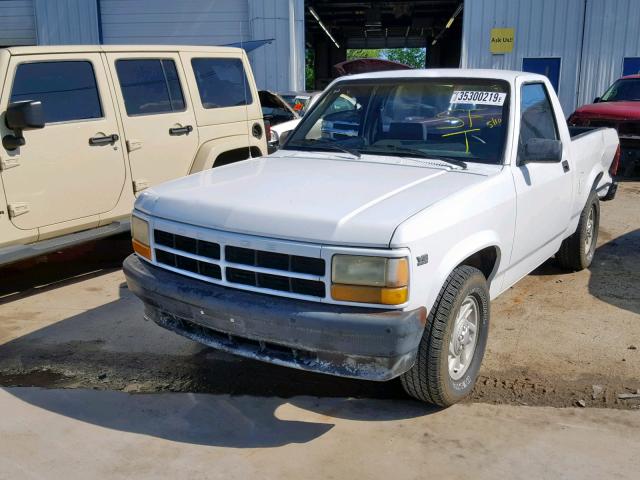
507 75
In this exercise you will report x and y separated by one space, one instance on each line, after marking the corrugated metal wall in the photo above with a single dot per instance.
543 28
279 65
17 23
612 32
591 37
195 22
64 22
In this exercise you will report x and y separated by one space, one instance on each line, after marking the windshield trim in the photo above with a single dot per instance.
501 158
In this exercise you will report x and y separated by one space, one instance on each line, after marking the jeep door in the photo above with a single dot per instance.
158 119
74 167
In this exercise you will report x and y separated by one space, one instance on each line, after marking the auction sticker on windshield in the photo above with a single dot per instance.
479 98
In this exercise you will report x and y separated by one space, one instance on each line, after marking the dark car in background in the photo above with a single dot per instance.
618 108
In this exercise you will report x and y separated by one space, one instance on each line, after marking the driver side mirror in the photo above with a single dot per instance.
541 150
25 115
284 136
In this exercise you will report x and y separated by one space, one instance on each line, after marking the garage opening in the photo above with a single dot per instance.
423 33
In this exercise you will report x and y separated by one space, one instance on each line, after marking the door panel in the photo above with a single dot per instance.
58 175
159 123
544 190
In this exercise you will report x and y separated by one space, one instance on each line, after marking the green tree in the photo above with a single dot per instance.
309 69
414 57
355 53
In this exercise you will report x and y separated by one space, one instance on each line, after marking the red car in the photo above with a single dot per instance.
619 108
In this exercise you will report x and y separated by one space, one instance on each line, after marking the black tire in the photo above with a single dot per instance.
574 254
429 379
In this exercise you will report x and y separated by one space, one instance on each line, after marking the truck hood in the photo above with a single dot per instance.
610 110
304 197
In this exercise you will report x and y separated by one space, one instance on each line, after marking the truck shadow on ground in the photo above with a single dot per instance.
614 273
221 420
36 275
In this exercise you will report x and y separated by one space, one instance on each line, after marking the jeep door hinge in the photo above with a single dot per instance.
9 162
17 209
140 185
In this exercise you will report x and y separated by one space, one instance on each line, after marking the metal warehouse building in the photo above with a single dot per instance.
278 65
582 45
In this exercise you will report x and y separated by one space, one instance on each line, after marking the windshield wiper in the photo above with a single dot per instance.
421 154
327 144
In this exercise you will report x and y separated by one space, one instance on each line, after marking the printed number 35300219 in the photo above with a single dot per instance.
479 98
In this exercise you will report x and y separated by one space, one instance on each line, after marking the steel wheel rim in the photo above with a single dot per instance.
590 231
464 338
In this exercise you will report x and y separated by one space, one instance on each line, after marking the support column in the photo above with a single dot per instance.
280 65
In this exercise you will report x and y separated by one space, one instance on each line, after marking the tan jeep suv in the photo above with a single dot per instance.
85 128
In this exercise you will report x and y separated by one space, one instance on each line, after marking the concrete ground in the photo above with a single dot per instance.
95 434
67 321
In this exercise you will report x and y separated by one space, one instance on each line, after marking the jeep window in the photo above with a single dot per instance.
222 82
67 89
624 90
150 86
463 119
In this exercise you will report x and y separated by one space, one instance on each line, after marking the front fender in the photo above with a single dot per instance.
455 254
212 149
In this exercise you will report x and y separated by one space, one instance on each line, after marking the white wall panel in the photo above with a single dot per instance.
184 22
64 22
612 32
543 28
17 23
280 65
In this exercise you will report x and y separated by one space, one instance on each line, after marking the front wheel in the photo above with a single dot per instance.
453 342
577 251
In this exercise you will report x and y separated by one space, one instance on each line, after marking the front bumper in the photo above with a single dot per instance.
354 342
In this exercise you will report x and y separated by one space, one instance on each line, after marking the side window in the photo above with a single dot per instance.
67 89
150 86
222 82
536 114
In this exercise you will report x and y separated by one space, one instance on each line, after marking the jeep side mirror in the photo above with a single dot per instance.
25 115
596 100
541 150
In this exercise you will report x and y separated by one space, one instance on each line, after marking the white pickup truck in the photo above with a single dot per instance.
374 253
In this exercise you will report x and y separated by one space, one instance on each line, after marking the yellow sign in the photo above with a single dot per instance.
502 40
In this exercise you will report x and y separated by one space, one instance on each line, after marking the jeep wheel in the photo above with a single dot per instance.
576 252
453 342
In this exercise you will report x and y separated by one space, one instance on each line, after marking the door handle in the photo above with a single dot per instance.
186 130
106 140
565 166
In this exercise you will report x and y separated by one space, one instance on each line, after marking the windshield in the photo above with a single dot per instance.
454 119
624 90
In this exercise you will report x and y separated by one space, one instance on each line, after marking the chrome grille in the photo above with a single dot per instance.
259 269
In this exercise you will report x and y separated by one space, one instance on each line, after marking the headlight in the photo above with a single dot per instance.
140 237
365 279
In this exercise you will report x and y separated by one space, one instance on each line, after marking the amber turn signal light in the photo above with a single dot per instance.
142 250
363 294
